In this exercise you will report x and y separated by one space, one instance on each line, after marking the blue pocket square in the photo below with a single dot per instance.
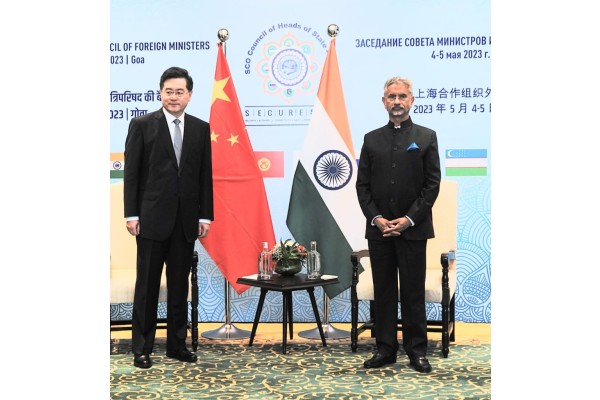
413 147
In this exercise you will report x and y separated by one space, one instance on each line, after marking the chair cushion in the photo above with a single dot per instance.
433 281
122 286
123 254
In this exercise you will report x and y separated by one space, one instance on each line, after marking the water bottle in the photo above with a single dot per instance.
314 262
265 266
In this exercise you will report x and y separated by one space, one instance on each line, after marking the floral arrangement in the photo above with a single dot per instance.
288 251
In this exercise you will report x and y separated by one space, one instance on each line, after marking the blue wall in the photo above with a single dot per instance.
443 47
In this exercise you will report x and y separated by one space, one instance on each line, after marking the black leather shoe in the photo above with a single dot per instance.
421 364
142 360
182 355
379 360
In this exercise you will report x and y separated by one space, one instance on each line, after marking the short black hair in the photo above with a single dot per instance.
176 72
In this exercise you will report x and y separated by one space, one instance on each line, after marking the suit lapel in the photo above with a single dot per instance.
165 136
187 140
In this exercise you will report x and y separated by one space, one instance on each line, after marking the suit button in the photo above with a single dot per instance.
392 181
393 165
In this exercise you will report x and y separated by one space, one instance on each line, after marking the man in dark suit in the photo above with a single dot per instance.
168 194
397 183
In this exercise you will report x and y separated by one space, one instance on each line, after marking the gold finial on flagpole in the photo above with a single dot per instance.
333 30
223 35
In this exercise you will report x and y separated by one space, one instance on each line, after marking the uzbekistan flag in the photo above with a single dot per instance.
466 162
117 165
323 203
242 216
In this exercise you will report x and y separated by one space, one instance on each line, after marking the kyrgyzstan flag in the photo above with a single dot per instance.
242 216
323 203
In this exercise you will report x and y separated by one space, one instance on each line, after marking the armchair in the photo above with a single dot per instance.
123 271
440 284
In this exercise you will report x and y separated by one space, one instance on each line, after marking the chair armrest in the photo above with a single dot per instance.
355 259
357 255
446 259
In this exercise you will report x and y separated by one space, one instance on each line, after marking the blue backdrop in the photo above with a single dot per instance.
443 47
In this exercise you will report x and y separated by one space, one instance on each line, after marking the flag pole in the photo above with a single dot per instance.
329 330
227 330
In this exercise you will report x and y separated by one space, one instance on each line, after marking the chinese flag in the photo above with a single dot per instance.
242 216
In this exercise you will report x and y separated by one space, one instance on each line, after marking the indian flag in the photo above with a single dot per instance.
466 162
323 203
117 165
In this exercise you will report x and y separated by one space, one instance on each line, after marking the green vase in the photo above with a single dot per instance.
288 267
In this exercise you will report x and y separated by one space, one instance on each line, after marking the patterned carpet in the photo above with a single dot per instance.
230 369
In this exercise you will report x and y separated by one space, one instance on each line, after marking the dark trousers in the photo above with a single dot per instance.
177 254
408 259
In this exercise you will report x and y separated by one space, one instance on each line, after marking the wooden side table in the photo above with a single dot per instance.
286 285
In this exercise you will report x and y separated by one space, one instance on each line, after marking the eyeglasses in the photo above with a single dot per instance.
392 97
178 93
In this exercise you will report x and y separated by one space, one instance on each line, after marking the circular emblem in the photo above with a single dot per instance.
117 165
289 67
264 164
333 170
